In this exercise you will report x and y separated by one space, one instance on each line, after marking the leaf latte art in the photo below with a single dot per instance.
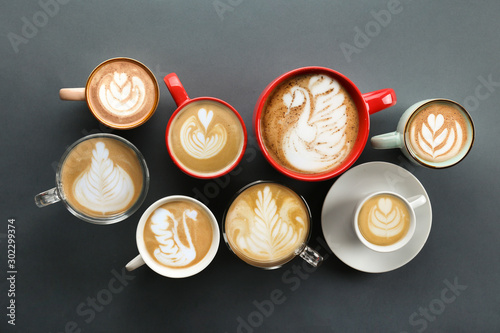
199 139
122 94
105 187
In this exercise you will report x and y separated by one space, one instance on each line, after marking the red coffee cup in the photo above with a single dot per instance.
366 104
205 136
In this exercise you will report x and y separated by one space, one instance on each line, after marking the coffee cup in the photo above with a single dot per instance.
205 136
385 221
177 237
435 133
312 123
101 179
267 224
122 93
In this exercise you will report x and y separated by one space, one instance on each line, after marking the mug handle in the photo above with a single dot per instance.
379 100
176 88
72 94
417 201
386 141
135 263
311 256
47 198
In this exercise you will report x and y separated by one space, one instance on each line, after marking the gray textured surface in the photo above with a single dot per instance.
428 49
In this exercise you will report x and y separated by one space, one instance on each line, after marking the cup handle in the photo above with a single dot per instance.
417 201
47 198
72 94
176 88
135 263
386 141
379 100
311 256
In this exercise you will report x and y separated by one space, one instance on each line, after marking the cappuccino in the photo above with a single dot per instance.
384 219
438 132
178 234
122 93
101 177
205 138
309 123
267 224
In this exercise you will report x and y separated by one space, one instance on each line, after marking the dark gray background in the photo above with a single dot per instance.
428 49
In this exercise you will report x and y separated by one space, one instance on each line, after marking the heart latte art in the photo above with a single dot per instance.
266 224
310 123
122 94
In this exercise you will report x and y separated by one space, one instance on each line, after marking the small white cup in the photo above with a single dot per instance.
145 258
411 204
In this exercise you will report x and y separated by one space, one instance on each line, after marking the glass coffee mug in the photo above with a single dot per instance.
435 133
101 179
267 225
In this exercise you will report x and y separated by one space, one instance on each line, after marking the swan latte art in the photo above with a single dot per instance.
384 219
101 177
310 123
205 137
178 234
267 224
122 93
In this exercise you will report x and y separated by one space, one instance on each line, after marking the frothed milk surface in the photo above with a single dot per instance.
122 93
266 224
438 132
178 234
310 123
101 177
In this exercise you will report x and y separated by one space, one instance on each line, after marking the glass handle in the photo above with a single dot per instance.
312 257
47 198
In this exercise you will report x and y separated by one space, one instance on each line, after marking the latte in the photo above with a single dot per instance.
122 93
267 224
384 219
102 177
309 123
438 132
205 138
178 234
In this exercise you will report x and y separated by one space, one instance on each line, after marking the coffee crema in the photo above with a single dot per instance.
437 132
178 234
101 177
266 224
206 137
384 219
309 123
122 93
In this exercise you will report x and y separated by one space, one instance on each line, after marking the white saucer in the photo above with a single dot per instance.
338 210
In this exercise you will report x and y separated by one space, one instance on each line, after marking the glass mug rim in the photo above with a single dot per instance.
117 126
363 127
237 194
416 111
230 166
177 272
109 219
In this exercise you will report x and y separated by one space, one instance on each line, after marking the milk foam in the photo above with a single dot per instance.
105 187
385 220
317 141
198 139
436 141
171 251
121 94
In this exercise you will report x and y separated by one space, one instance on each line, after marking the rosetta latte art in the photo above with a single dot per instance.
198 139
171 251
317 141
105 187
385 219
122 94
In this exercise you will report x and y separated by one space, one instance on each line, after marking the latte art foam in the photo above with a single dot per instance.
122 94
310 123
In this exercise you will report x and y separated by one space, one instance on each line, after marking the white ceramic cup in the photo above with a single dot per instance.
145 258
410 203
401 139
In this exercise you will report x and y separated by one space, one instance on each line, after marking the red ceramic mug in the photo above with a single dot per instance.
206 137
302 126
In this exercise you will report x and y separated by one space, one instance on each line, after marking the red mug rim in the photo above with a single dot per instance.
223 171
363 129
